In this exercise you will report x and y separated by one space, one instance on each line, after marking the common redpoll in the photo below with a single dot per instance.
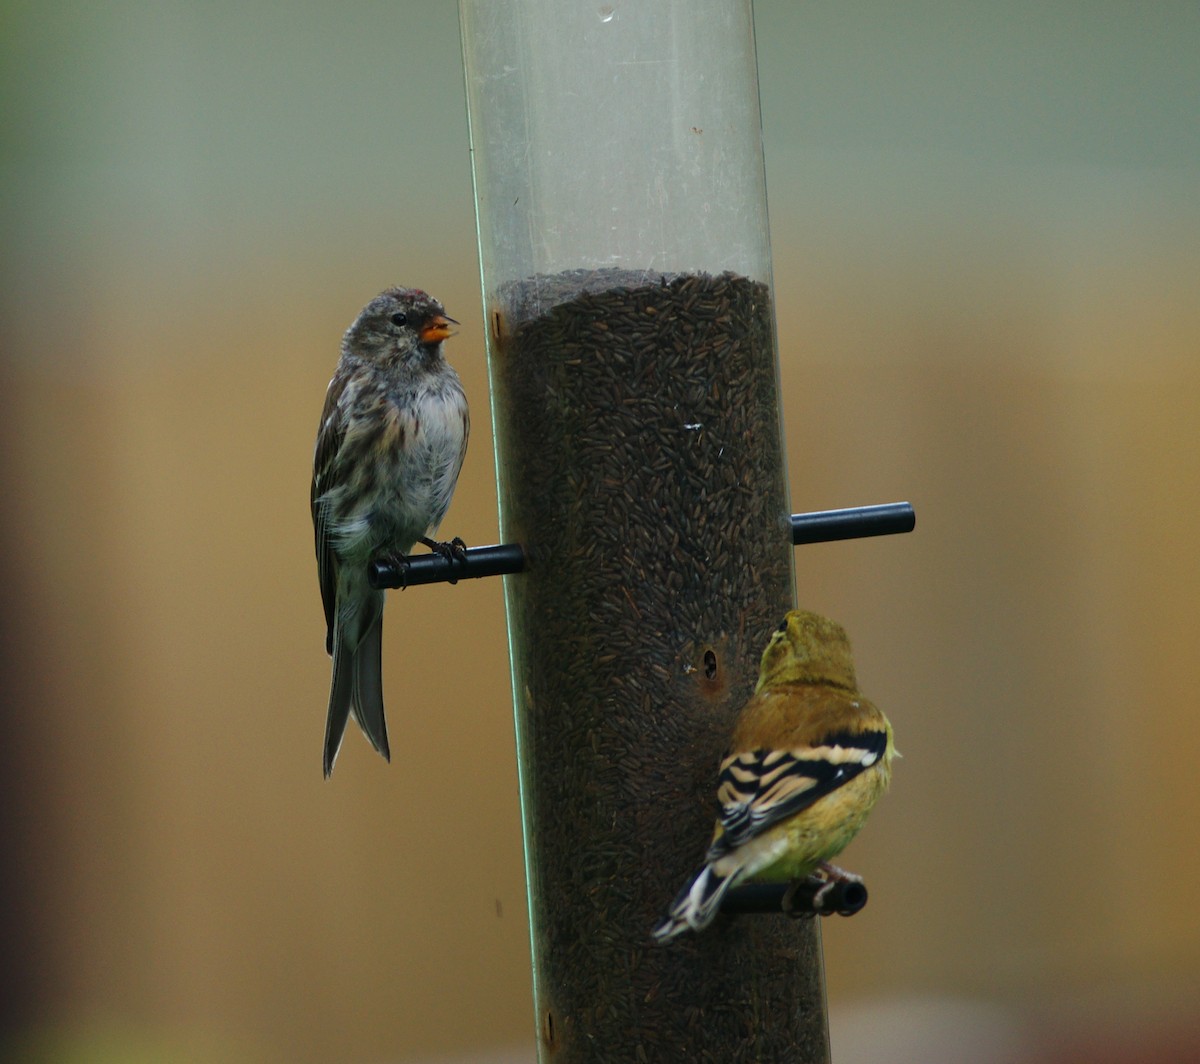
389 449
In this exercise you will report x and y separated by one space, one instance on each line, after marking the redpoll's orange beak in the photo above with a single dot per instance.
437 329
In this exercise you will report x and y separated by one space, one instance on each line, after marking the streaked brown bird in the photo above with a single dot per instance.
391 442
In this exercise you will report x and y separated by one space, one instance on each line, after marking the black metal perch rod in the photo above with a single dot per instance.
844 899
821 526
436 568
857 522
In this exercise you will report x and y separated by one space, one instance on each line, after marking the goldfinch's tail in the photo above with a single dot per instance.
696 905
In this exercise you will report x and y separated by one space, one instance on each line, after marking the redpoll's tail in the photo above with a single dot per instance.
357 687
696 905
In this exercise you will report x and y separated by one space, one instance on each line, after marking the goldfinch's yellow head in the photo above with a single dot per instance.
807 648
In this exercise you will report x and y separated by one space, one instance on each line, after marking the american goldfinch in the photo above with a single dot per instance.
392 439
809 758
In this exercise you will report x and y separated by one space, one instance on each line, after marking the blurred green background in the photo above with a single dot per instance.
986 232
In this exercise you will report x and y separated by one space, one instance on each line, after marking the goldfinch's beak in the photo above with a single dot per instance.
437 329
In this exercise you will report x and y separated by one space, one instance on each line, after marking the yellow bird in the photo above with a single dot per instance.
809 758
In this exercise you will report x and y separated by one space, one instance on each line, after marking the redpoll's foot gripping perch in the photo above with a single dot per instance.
399 565
455 548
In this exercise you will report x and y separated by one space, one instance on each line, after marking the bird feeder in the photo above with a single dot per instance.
626 272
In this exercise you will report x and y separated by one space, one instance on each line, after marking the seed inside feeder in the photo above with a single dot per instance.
644 477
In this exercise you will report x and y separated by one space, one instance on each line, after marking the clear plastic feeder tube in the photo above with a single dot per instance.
615 136
626 270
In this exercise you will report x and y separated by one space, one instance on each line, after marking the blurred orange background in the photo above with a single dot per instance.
986 234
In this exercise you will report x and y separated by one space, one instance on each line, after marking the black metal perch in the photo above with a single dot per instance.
436 568
856 522
820 526
843 898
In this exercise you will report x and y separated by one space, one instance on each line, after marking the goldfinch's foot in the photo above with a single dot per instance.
789 905
832 876
838 875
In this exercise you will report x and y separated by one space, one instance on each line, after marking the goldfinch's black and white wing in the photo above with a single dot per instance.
759 788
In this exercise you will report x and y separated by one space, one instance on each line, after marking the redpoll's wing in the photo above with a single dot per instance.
759 788
329 442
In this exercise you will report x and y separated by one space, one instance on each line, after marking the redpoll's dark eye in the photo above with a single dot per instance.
782 626
399 318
